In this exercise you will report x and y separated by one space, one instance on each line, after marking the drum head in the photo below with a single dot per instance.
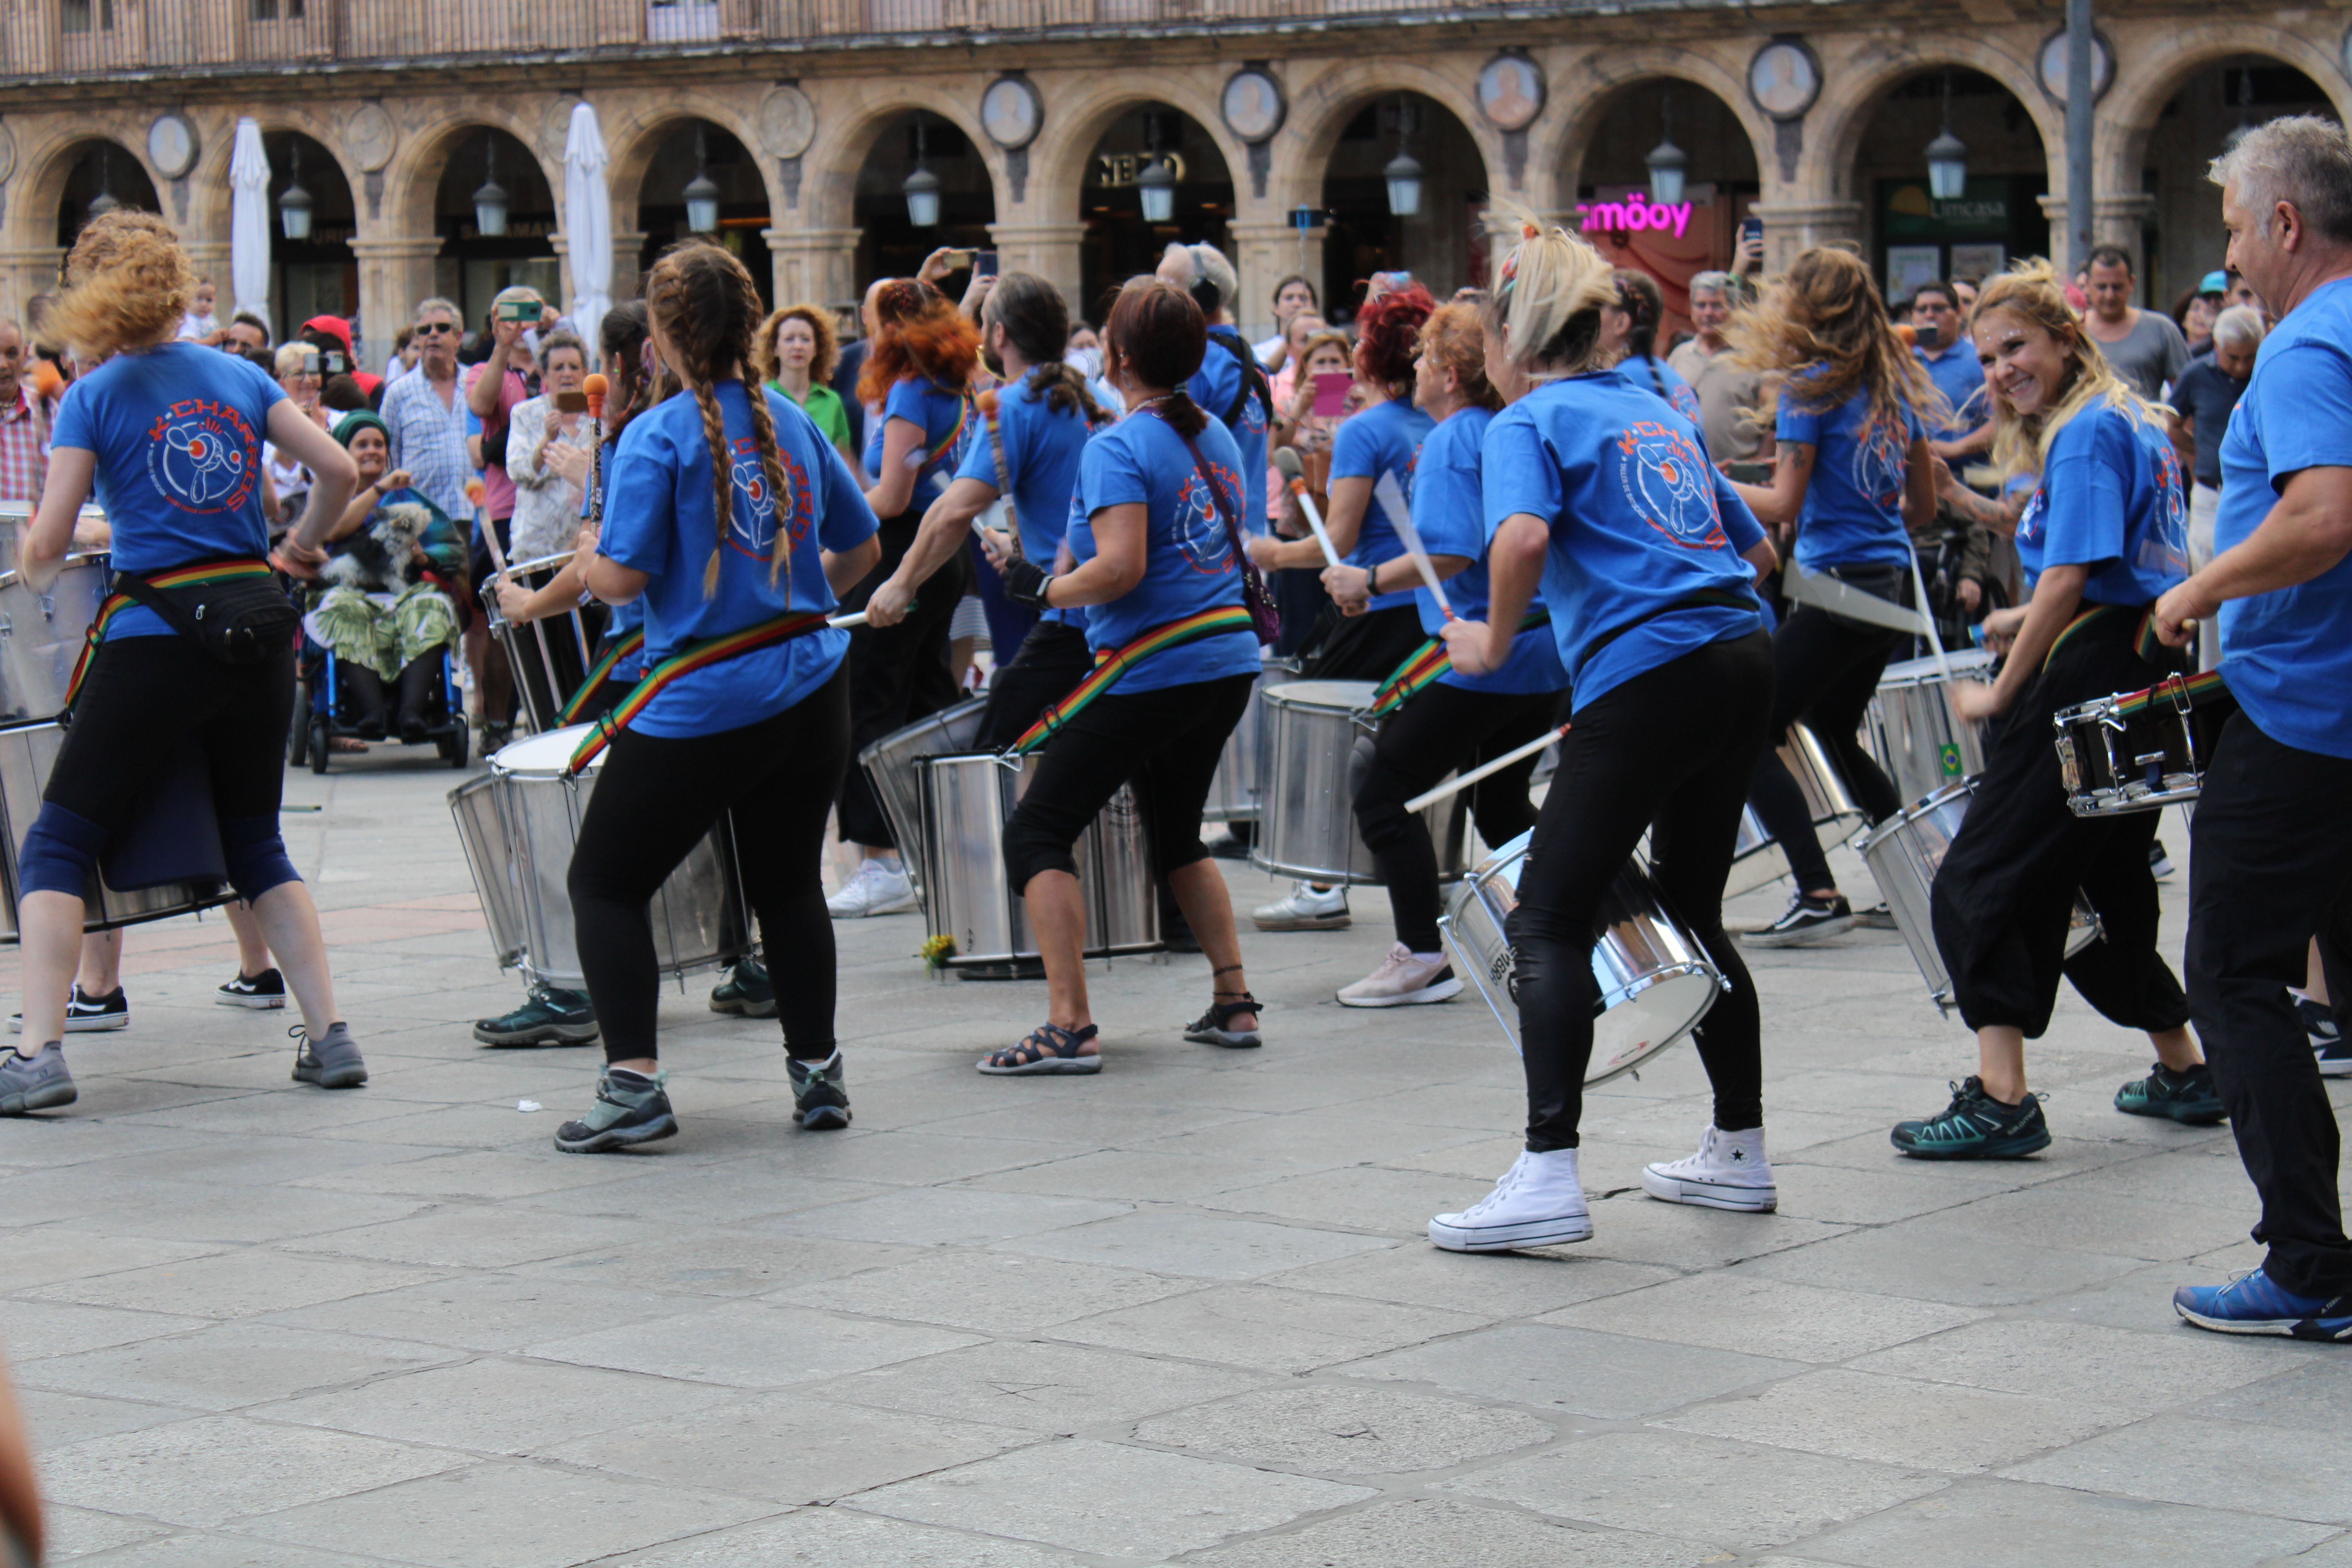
1345 695
548 753
1646 1022
1967 663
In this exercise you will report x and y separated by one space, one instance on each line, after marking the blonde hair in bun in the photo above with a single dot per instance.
1548 294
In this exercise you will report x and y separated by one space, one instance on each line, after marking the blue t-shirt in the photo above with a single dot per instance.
1040 455
1383 439
940 415
2287 654
1640 521
1188 565
2110 499
1853 514
177 435
1214 386
660 522
1451 519
1958 374
1655 375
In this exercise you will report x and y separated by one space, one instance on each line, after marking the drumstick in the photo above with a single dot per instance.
1927 622
474 492
594 388
857 619
1295 477
1422 802
1391 499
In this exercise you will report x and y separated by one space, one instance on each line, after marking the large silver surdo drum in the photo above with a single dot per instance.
1318 741
42 632
549 656
519 823
1905 852
966 803
1240 779
1912 730
27 754
1656 981
1756 860
890 764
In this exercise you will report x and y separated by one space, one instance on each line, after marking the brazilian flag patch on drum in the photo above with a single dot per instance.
1948 756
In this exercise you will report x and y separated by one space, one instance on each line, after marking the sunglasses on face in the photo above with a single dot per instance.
433 329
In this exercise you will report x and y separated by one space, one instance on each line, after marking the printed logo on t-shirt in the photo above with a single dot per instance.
1881 450
752 528
2028 521
1665 478
1685 403
1200 532
203 456
2166 548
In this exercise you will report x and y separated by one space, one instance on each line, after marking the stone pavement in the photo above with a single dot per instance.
1182 1313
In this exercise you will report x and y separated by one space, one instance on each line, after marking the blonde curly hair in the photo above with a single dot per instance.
2031 292
128 284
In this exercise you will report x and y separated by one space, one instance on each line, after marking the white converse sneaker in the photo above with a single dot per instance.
1729 1171
1308 908
1539 1203
1404 979
880 887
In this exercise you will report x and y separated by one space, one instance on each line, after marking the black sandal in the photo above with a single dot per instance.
1047 1049
1210 1029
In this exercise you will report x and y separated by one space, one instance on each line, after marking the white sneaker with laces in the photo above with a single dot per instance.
880 887
1729 1171
1404 979
1540 1202
1308 908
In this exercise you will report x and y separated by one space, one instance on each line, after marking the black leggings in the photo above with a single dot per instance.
1166 742
1670 751
897 674
1368 647
1825 668
2005 893
1439 730
1053 659
654 800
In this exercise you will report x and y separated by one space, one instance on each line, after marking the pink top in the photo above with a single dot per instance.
499 490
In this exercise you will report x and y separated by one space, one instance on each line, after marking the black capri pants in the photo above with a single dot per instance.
1166 742
2002 901
897 674
654 799
1439 730
1670 751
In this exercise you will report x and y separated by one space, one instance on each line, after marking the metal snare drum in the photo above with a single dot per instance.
2135 751
1235 788
1307 821
1913 732
1905 852
1755 859
42 634
1656 982
520 833
550 657
27 754
966 803
890 764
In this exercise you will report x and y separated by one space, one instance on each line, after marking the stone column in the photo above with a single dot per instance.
628 252
24 275
1263 252
394 274
1793 227
2118 218
1053 251
813 264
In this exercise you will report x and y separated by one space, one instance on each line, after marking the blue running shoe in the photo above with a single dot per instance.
2257 1304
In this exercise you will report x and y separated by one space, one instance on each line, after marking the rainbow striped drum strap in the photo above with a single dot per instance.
603 672
1112 663
686 661
1429 663
2145 642
202 574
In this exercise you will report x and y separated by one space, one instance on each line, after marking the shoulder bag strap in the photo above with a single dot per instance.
1262 614
995 422
1254 381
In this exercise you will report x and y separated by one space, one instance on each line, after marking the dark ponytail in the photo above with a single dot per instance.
1638 297
1036 316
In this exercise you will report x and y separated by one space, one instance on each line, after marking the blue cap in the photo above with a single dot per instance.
2215 283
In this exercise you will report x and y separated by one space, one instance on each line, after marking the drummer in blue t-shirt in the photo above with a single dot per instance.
744 707
1156 536
1629 338
1853 478
171 436
2102 535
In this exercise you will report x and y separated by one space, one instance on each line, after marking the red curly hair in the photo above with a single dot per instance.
917 333
1388 337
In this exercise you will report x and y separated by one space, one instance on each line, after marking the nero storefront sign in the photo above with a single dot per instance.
1982 209
1636 211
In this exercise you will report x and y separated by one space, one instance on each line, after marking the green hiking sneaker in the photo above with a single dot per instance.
2189 1098
746 992
631 1109
549 1016
1975 1126
820 1092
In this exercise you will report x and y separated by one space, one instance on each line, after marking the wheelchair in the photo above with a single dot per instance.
325 709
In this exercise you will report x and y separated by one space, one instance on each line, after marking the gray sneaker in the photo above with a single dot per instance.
630 1109
35 1082
332 1061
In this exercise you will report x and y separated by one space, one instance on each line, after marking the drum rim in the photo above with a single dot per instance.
1368 689
545 739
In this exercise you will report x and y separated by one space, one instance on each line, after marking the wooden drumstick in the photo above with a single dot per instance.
1424 801
1391 499
857 619
1295 475
595 387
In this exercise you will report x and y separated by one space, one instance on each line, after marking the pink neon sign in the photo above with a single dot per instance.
1637 211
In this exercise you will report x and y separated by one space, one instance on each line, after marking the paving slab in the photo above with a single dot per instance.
2011 1524
1334 1430
1422 1531
1609 1376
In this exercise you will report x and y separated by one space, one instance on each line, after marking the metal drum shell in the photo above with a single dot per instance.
701 920
42 635
1913 732
1655 982
2099 756
27 754
967 802
1905 852
1234 790
1306 824
526 646
890 764
1756 860
489 856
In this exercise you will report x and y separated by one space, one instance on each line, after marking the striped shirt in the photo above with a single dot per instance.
428 439
24 449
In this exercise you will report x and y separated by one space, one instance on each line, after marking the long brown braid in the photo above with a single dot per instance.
709 311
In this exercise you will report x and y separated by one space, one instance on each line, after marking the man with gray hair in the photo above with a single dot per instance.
1230 386
1727 395
2272 861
